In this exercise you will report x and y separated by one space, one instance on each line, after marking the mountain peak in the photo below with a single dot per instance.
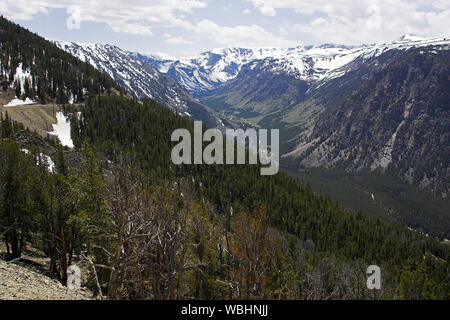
411 37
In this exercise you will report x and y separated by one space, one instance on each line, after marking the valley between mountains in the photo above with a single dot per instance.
370 113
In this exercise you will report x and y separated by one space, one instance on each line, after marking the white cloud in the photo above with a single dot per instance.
267 11
265 7
319 22
338 21
365 21
240 36
134 16
177 40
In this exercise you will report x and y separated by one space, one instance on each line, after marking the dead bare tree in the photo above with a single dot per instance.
250 250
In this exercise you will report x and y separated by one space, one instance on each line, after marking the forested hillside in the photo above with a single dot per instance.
37 69
299 214
143 228
110 206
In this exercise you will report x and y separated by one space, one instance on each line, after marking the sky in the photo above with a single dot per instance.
188 27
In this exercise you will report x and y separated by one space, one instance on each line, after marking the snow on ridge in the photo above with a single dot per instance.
210 69
157 55
310 63
62 130
17 102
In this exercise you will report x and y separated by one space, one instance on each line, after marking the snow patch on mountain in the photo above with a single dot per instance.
17 102
44 159
21 76
62 130
117 64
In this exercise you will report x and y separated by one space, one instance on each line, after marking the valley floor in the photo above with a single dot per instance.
382 196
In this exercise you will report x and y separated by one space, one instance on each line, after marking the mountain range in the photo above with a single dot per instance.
210 70
299 90
381 108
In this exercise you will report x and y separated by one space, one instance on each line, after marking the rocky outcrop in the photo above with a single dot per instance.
395 119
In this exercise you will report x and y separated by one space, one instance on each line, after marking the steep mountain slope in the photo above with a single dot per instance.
38 70
397 118
140 79
382 129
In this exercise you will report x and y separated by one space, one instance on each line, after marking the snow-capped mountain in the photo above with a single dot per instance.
209 70
140 79
391 114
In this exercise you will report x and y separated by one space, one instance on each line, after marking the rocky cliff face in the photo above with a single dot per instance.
394 117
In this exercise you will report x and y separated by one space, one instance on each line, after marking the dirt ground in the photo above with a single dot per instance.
37 118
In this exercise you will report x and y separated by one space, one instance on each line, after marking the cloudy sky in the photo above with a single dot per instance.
187 27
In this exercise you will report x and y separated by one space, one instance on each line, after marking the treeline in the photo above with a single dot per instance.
55 75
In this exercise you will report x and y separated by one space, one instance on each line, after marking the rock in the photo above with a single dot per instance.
19 283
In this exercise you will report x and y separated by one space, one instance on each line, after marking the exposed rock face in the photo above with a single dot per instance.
74 159
396 118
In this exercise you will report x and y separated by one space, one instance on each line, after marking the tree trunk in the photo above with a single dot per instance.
8 250
63 259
